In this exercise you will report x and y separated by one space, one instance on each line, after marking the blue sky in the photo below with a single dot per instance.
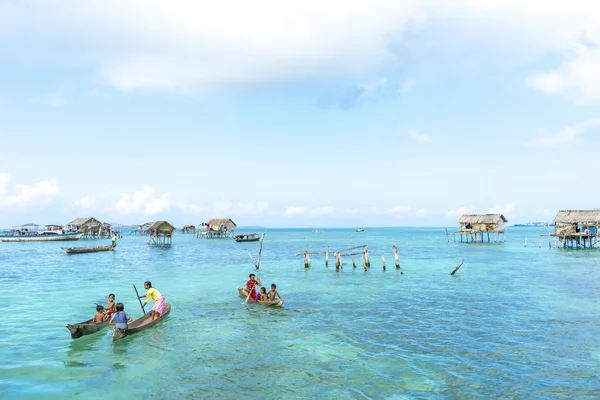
316 114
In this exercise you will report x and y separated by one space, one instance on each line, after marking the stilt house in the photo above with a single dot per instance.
474 226
218 228
577 228
161 233
188 229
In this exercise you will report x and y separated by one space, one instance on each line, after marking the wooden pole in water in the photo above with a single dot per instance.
362 258
540 245
327 257
525 242
447 237
367 262
306 258
383 261
457 267
338 259
353 263
396 258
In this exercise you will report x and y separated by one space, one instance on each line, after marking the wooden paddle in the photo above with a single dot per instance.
138 297
250 291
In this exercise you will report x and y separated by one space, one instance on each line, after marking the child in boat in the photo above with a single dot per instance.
250 286
273 292
262 296
99 317
159 300
119 318
110 308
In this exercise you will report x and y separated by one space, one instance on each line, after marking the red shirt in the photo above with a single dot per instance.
250 285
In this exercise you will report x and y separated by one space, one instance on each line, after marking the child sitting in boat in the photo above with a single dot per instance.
273 292
262 296
110 308
120 319
99 317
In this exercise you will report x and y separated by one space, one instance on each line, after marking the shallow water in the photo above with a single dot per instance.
514 322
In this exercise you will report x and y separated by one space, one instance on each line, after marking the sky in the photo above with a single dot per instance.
298 114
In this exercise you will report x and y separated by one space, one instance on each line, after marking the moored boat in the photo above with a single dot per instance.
88 249
271 303
141 324
86 328
253 237
46 236
360 230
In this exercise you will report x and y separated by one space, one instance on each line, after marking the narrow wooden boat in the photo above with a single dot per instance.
253 237
47 236
141 324
89 249
86 328
271 303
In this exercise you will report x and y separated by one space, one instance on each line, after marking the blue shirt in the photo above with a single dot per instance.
120 318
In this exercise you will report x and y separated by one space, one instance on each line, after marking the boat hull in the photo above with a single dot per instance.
141 324
86 328
90 249
272 303
43 238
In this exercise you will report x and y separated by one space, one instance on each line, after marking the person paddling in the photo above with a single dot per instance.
251 284
159 299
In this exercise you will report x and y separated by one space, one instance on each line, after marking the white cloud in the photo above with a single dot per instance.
566 136
457 212
421 213
21 195
189 208
416 136
293 211
86 201
502 209
577 78
398 210
225 207
142 201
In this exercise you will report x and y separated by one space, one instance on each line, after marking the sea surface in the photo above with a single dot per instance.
514 322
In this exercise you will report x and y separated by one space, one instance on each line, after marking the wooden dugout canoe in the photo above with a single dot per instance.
271 303
89 249
141 324
86 328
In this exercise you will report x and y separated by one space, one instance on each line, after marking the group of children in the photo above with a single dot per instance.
116 312
261 295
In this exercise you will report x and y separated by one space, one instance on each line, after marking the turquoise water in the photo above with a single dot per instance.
514 322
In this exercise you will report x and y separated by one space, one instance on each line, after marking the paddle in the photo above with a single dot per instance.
138 297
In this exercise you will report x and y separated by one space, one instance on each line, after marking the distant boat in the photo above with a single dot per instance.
45 236
253 237
88 249
360 230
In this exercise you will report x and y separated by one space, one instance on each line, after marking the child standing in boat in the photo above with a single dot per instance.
159 300
120 319
99 317
110 308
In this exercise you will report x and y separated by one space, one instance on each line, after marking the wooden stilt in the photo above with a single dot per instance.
327 257
447 237
367 262
525 242
396 258
306 258
457 267
383 261
353 263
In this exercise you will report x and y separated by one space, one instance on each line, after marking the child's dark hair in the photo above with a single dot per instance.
112 295
251 275
99 308
148 283
273 286
263 289
120 307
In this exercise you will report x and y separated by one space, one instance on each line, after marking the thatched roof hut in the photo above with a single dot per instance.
188 229
83 224
219 228
568 222
482 222
161 228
